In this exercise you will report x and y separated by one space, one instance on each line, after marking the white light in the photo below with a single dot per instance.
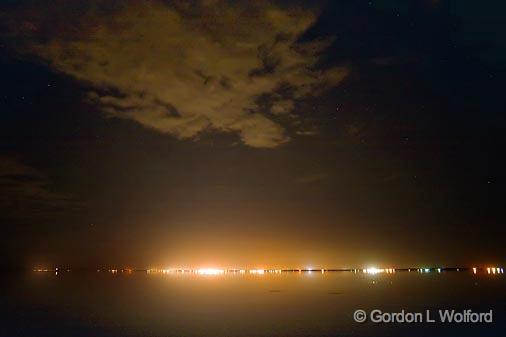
210 271
257 271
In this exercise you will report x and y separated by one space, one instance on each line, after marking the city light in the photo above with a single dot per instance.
210 271
221 271
373 270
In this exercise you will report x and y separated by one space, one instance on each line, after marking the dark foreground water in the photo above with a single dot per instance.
291 304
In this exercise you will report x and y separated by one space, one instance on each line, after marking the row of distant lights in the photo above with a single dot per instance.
371 270
55 270
215 271
374 270
492 270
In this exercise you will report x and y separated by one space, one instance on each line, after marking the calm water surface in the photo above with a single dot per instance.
291 304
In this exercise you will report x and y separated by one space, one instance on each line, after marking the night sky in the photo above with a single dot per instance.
252 134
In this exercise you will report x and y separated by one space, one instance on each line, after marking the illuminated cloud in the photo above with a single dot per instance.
184 69
282 107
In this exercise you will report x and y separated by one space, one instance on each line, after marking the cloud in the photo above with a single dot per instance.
282 107
187 68
25 192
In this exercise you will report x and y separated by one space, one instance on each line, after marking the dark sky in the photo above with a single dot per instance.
283 134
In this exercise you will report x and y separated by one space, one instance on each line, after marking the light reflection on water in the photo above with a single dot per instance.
242 304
